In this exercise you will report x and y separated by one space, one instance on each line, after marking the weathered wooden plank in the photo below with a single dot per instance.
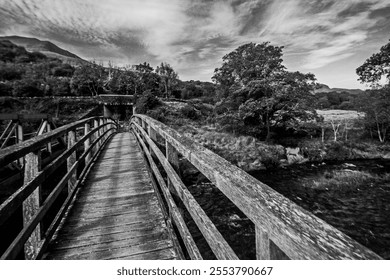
213 237
6 130
90 224
162 254
97 227
57 219
87 143
298 233
174 212
128 228
15 200
28 229
108 253
262 244
109 241
14 152
71 160
31 205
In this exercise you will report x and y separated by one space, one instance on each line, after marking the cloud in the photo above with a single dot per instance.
194 34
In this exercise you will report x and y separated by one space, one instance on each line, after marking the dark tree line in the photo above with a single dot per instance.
28 74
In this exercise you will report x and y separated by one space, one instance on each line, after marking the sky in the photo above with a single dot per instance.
329 38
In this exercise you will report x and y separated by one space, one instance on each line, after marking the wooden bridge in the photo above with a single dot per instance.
115 195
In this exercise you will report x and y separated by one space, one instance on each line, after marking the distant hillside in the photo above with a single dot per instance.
45 47
324 88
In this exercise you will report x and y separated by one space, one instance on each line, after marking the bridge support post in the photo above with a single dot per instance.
96 136
152 135
173 159
87 143
71 160
101 132
48 129
262 244
32 204
265 248
19 139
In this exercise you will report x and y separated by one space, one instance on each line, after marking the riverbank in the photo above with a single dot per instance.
197 122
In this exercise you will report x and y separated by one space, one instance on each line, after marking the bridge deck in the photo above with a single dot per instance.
117 214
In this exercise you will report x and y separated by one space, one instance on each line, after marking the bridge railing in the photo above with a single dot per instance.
84 140
283 229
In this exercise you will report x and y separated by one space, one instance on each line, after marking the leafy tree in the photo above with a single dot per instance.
89 78
265 95
376 103
145 102
375 67
168 77
27 88
376 106
146 80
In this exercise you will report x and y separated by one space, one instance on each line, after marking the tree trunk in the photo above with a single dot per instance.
268 132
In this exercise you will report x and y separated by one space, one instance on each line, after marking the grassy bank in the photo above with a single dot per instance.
346 179
196 122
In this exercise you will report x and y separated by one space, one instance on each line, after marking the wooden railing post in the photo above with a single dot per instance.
101 131
48 129
71 160
173 158
87 143
265 248
19 139
262 244
152 135
96 136
32 204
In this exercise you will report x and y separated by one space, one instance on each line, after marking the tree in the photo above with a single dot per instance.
376 103
89 77
168 77
267 96
375 67
376 106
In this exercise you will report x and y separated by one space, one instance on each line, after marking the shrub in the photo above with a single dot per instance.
146 102
190 112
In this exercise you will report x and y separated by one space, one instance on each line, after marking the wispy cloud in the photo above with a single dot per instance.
194 34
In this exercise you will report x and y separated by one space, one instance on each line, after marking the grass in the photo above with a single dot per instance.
345 179
246 152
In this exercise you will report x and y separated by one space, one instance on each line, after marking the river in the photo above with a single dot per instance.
362 212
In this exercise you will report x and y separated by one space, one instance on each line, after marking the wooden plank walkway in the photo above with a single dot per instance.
116 215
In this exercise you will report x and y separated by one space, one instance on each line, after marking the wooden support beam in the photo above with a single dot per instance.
19 139
71 160
31 204
8 136
5 131
87 143
42 127
96 136
152 135
101 131
49 145
173 158
262 244
266 249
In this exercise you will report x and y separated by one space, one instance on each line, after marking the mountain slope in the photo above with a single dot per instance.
45 47
324 88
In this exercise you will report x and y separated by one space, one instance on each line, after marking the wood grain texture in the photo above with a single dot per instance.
295 231
116 215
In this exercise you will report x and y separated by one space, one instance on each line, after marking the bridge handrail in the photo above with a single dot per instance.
31 238
17 151
283 229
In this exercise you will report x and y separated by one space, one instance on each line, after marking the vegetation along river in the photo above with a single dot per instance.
352 196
